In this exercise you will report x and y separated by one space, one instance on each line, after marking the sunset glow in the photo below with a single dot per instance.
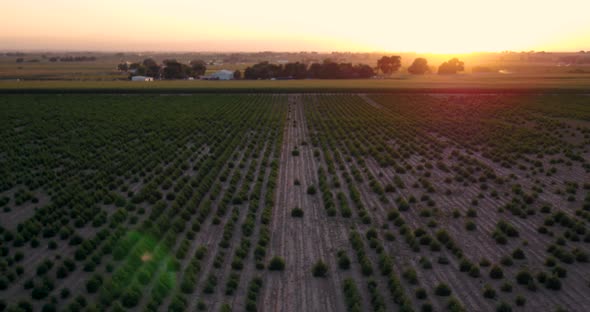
455 26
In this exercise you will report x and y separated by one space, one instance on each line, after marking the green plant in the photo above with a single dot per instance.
276 264
442 290
489 292
320 269
496 272
297 212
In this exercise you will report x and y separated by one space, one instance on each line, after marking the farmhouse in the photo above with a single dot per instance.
223 74
141 78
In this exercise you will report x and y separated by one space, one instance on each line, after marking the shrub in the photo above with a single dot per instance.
518 254
425 263
506 261
506 287
442 290
276 264
130 297
343 260
421 293
210 284
48 307
454 305
410 276
503 307
496 272
3 282
320 269
64 293
93 284
39 292
489 292
352 295
524 277
553 283
474 271
426 307
297 212
366 267
559 272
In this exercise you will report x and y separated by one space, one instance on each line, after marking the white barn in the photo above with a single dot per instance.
223 74
141 78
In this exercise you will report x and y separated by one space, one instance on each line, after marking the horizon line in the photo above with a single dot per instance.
279 51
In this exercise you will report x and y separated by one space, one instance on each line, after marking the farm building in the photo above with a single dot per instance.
141 78
223 74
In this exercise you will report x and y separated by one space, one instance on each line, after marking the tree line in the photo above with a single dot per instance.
54 59
325 70
328 69
72 59
169 69
391 64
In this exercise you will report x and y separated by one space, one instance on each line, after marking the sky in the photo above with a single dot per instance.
424 26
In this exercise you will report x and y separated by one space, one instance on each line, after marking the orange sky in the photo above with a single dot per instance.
452 26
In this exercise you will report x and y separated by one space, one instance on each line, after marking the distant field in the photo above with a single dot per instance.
72 71
60 71
103 69
465 82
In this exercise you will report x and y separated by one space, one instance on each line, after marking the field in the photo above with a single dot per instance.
513 83
296 201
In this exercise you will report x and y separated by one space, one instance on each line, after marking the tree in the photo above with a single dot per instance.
148 62
363 71
263 70
199 67
329 69
152 69
295 70
452 66
123 67
419 67
314 70
389 64
237 75
176 70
